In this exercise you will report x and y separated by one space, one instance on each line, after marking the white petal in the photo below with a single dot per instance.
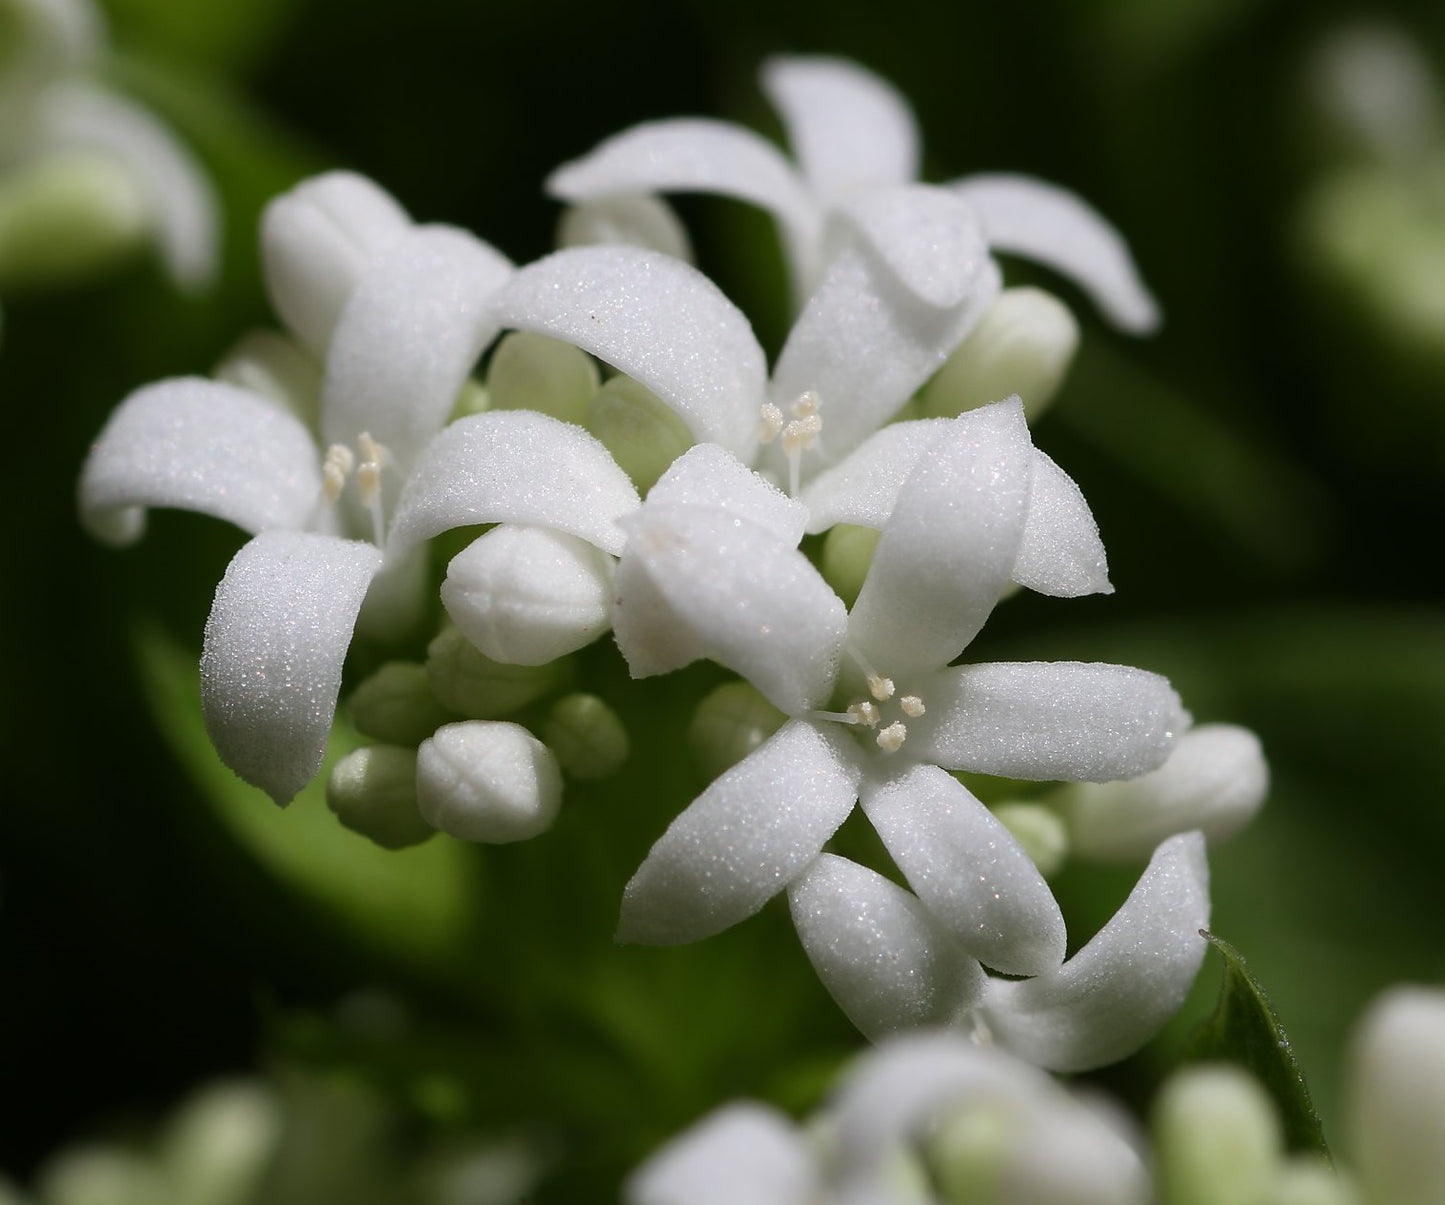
1061 553
862 488
487 780
1396 1101
1069 720
316 241
1055 227
848 128
949 547
528 595
879 953
203 446
1214 780
969 871
743 839
1114 994
864 345
275 642
412 328
514 466
698 155
707 475
658 320
743 1154
699 582
181 199
628 219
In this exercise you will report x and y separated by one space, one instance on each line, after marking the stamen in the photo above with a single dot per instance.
866 713
891 739
836 717
772 423
912 706
368 481
801 434
879 687
807 404
335 469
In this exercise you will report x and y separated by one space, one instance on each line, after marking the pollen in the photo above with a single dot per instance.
865 712
881 688
912 706
335 469
771 423
891 739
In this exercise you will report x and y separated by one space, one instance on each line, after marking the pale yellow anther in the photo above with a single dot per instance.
335 469
880 687
368 482
807 404
370 450
771 423
800 434
865 712
891 739
912 706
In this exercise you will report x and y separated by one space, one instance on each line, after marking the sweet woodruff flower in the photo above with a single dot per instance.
852 135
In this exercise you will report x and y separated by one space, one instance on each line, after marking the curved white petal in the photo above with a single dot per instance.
948 549
412 328
879 953
1070 720
1057 228
864 345
204 446
694 154
514 466
184 206
862 488
1061 553
848 128
969 871
657 319
316 241
275 642
699 582
708 475
743 839
1113 995
743 1154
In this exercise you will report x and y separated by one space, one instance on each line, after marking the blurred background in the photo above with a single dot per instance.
1266 472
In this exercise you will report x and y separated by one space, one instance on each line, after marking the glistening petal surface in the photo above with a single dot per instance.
707 475
743 839
204 446
1113 995
275 642
1061 553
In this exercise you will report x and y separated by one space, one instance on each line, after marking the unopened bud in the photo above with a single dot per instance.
586 735
536 372
627 220
639 429
466 680
396 705
847 554
269 363
488 781
220 1144
1309 1180
373 792
100 1175
1217 1139
1041 832
1023 345
729 724
528 595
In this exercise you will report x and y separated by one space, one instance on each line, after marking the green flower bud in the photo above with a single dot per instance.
470 683
220 1144
1305 1180
67 216
624 219
1023 345
1040 830
373 792
1217 1138
100 1175
971 1150
269 363
642 433
488 781
396 705
729 724
847 554
587 736
536 372
472 398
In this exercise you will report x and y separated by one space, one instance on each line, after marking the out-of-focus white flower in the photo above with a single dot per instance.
852 136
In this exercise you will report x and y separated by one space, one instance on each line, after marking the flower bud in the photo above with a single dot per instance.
67 216
729 724
316 241
488 781
1023 345
528 371
1214 780
528 595
1217 1139
625 219
269 363
466 680
639 429
847 554
1040 830
100 1175
220 1144
396 705
1308 1180
373 792
586 735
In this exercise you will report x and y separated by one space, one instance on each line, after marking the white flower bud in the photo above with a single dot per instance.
373 792
100 1175
1023 345
315 242
1214 780
586 735
1040 830
1396 1098
1217 1138
730 723
468 682
528 595
626 219
1308 1180
639 429
269 363
220 1144
529 371
396 705
488 781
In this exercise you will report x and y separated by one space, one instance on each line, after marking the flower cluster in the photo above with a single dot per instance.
834 529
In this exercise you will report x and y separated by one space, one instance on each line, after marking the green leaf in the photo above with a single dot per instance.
1246 1030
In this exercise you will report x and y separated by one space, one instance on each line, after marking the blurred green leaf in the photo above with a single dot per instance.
225 33
1246 1030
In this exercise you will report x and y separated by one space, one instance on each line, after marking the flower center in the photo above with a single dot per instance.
366 464
879 712
798 435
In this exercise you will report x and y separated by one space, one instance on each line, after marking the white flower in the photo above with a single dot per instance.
852 135
698 581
